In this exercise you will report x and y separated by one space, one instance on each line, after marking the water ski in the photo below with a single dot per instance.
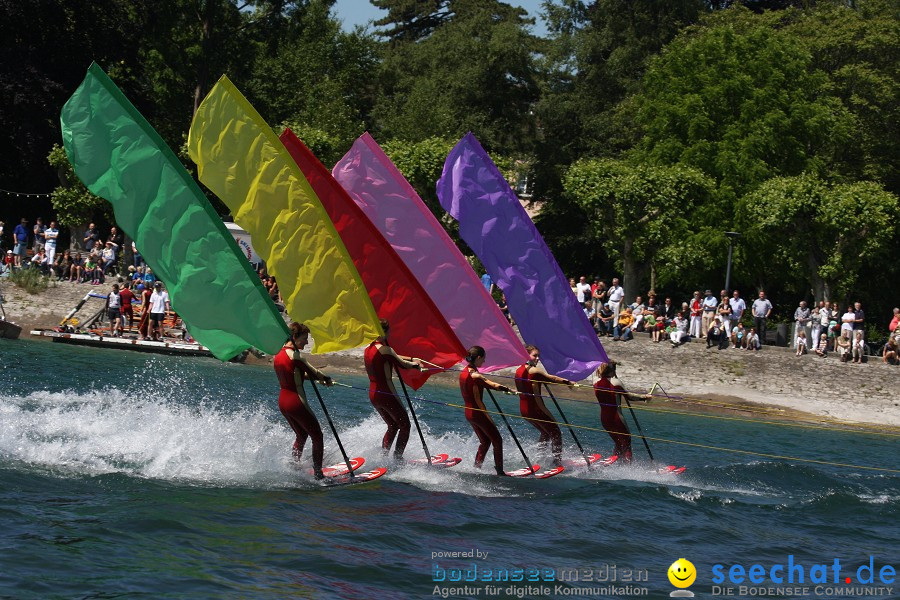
593 459
438 460
671 470
340 468
536 472
357 477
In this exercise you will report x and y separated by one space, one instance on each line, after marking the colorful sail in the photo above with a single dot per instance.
494 224
417 327
391 204
121 158
243 162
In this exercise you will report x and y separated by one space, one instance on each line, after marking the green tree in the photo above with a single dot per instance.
825 235
641 215
72 202
741 100
474 72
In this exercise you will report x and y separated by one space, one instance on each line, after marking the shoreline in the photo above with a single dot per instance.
770 385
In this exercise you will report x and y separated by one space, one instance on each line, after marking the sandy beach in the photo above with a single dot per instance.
772 384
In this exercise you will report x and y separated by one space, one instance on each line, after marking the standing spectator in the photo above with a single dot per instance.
859 346
834 324
615 295
848 320
91 237
680 333
116 237
51 234
583 290
1 237
859 318
753 342
820 317
622 330
724 312
738 306
696 307
136 258
598 294
895 321
709 311
20 242
159 305
762 308
802 320
38 230
488 283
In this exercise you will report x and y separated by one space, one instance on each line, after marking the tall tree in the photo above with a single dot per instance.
474 71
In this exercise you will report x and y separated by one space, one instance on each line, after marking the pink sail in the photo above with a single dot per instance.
387 199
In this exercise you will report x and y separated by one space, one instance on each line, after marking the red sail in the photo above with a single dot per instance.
417 326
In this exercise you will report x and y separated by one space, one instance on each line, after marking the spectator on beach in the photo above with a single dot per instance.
723 310
680 333
51 235
738 306
859 346
616 294
822 347
844 346
38 232
802 321
605 322
108 257
696 307
20 242
91 237
859 318
622 330
891 353
762 309
583 290
76 269
801 343
159 305
62 266
753 342
709 306
738 336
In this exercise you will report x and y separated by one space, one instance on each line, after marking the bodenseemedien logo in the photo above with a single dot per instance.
682 574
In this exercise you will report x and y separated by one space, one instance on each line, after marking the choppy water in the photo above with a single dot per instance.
127 475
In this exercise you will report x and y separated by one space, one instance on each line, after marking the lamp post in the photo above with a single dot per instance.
731 237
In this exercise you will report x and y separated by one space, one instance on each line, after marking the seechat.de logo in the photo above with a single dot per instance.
682 574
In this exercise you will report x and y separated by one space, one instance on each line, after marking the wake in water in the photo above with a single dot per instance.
208 443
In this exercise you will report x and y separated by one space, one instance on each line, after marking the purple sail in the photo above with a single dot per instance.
496 227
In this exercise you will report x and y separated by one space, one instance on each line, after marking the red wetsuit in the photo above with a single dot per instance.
299 417
531 409
480 421
384 398
612 421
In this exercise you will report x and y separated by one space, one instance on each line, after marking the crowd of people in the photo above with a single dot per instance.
727 321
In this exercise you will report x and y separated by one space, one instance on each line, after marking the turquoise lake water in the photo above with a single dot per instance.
126 475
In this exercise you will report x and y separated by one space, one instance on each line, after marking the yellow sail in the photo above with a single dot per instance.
243 162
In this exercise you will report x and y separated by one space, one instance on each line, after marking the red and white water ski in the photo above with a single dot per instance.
438 460
594 459
357 477
536 472
340 468
671 470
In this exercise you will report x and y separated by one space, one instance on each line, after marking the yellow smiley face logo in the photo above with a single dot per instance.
682 573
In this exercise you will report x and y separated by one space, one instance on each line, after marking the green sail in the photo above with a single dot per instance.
121 158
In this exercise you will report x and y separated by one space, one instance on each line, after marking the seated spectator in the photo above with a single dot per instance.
822 347
738 336
41 262
637 311
651 307
753 342
622 330
891 353
588 312
92 269
63 265
843 347
77 268
801 342
605 320
680 334
858 349
7 263
97 251
504 307
651 325
716 333
108 258
149 277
